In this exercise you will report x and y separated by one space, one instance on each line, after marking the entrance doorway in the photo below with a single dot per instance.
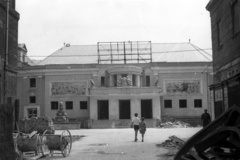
124 109
103 109
233 95
146 108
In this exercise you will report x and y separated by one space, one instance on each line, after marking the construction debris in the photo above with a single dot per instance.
175 124
172 143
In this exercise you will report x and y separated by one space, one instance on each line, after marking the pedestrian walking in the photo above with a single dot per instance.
135 125
206 118
142 128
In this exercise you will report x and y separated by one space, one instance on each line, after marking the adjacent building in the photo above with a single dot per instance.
225 25
8 51
107 83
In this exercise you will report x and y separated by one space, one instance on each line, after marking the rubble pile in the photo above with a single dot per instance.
172 143
175 124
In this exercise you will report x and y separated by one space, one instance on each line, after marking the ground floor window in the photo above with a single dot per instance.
83 104
124 109
167 103
103 109
182 103
197 103
32 112
69 104
54 105
146 108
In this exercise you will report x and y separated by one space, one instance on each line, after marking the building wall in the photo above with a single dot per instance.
66 77
228 50
226 58
47 75
10 90
190 111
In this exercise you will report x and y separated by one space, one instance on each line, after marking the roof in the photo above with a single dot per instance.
161 52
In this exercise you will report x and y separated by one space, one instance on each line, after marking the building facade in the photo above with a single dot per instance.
109 94
8 51
225 26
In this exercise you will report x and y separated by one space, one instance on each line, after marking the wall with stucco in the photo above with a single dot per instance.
76 112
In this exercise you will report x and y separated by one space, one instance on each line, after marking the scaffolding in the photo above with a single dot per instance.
124 52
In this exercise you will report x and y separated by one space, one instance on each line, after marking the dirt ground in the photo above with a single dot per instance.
118 144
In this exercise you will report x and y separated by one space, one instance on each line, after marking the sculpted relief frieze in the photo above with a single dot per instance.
183 86
69 88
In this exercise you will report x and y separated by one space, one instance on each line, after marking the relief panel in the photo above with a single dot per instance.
69 88
183 86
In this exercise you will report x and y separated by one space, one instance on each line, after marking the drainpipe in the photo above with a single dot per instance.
6 56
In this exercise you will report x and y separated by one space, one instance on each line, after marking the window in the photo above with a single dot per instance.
83 105
235 17
32 99
182 103
69 104
32 112
147 81
134 80
197 103
102 81
54 105
32 82
219 34
115 80
167 103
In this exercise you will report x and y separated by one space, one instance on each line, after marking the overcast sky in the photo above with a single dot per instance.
45 25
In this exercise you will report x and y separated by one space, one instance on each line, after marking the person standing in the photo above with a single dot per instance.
206 118
142 128
135 125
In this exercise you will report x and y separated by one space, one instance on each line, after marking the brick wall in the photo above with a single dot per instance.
220 10
12 48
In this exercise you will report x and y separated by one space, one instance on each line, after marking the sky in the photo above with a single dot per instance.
45 25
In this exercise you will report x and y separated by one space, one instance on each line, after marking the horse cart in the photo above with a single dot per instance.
37 143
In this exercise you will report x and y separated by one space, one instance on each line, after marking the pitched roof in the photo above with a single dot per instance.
161 52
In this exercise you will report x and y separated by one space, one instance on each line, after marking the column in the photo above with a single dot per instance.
113 109
137 80
111 79
156 107
135 107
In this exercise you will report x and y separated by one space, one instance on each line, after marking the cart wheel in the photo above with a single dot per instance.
44 147
65 143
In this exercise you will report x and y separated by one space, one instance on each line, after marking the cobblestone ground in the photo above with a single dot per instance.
118 144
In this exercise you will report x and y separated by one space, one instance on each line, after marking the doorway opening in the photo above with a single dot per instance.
124 109
146 108
103 109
